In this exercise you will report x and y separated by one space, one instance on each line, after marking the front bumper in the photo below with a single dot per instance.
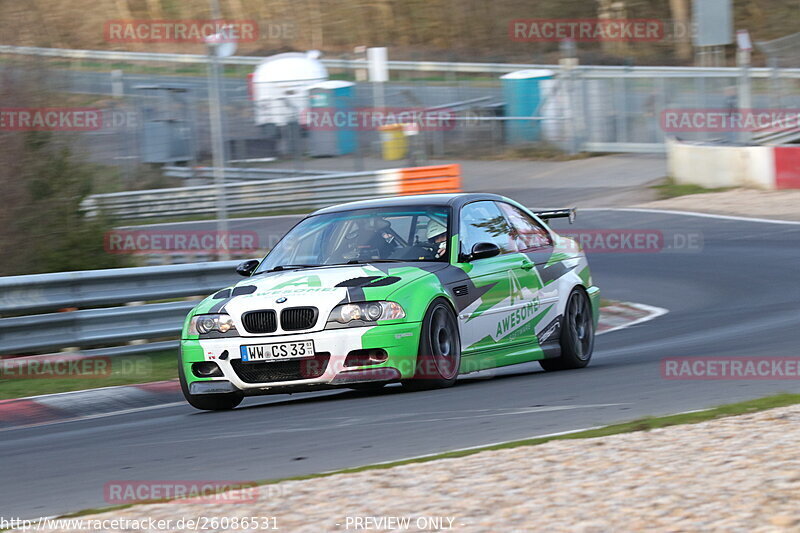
400 341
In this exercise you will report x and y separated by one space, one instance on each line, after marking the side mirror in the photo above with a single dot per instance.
482 250
246 269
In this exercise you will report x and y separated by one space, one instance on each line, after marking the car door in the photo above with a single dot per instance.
535 242
486 322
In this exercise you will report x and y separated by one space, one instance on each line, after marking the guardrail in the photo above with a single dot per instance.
93 326
279 194
239 173
91 288
415 66
44 293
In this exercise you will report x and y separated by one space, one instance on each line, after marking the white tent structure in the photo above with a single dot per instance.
280 86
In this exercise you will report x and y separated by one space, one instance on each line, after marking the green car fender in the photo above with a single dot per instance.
415 297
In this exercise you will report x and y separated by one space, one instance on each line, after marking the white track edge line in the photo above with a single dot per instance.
692 214
108 388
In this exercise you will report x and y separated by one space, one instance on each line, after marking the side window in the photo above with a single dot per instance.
483 222
528 234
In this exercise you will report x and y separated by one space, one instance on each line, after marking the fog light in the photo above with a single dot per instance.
207 369
378 356
374 356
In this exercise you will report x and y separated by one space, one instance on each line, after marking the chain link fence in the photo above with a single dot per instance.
157 111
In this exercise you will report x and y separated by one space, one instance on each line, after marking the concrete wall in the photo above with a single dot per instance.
758 167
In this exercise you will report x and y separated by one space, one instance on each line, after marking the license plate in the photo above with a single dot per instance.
277 351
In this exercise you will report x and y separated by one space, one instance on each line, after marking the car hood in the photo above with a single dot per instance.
323 288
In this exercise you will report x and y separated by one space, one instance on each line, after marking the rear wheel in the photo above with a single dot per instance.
439 356
208 402
577 334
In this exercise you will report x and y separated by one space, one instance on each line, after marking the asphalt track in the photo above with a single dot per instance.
738 296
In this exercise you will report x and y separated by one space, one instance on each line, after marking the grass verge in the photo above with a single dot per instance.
531 152
125 370
670 189
642 424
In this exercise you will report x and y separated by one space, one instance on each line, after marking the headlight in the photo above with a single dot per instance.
366 312
203 324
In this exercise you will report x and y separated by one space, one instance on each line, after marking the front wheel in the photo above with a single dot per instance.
577 334
208 402
439 356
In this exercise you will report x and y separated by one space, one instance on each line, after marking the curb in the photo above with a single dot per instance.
620 315
64 406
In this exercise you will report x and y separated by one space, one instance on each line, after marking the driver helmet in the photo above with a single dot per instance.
435 228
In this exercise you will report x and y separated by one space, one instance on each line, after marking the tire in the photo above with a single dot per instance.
208 402
577 334
439 355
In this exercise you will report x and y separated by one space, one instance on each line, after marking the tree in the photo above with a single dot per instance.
43 182
43 227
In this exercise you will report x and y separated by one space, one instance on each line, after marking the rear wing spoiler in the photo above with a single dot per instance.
547 214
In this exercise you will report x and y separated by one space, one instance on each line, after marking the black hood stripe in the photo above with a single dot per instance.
226 295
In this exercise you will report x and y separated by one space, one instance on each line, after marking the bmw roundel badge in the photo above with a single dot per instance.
281 300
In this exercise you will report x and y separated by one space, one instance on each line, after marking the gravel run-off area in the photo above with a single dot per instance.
730 474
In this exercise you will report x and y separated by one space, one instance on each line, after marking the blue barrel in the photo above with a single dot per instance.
338 95
523 94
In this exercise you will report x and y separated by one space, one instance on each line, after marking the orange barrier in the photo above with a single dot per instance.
433 179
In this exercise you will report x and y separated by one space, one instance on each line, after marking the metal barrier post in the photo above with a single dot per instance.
745 89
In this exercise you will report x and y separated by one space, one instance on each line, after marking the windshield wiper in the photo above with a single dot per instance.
364 262
289 267
367 261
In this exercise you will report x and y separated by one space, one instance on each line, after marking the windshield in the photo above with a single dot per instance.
362 236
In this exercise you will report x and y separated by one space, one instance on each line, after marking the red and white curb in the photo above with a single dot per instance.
621 315
91 403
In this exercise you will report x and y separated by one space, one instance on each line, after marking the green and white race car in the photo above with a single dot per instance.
415 289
